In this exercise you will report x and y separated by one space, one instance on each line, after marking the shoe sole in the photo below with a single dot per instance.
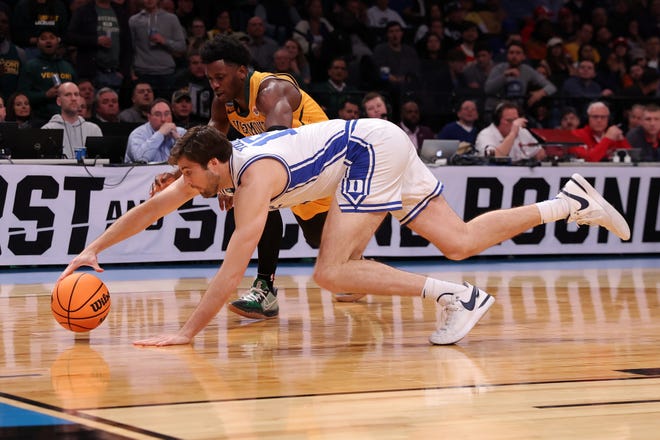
481 311
251 315
349 297
618 225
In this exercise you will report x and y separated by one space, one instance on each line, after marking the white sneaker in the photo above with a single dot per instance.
590 208
461 316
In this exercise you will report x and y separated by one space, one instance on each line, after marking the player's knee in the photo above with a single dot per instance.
324 276
457 253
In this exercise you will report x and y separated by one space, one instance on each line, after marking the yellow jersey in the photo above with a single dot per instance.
252 122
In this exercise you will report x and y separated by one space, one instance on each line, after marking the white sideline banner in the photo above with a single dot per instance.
49 213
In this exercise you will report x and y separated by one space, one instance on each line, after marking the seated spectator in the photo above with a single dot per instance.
19 110
647 135
410 124
222 25
42 75
633 117
282 64
600 138
583 84
12 57
76 129
329 94
507 136
198 35
142 98
87 93
569 119
153 140
262 47
581 89
182 110
106 106
463 129
312 35
194 80
646 87
375 106
349 109
299 64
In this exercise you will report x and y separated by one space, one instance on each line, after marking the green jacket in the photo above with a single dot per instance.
37 77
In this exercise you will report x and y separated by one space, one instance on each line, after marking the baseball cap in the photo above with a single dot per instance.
542 11
555 41
620 41
180 94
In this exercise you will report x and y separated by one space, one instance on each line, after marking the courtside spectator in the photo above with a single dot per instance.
600 138
410 124
76 129
647 135
465 128
20 111
350 109
153 140
569 119
375 106
507 136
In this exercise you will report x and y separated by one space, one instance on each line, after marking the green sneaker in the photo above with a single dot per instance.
258 303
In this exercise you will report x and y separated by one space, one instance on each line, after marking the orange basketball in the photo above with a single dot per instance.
80 302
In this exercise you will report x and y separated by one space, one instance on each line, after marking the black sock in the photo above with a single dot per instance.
268 279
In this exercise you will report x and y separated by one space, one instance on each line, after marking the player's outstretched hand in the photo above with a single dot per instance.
163 340
84 259
162 181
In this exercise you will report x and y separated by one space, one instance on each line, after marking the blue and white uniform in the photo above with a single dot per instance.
368 165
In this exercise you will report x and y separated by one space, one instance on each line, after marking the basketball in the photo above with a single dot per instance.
80 302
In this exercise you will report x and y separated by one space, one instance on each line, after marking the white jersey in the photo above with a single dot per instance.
368 165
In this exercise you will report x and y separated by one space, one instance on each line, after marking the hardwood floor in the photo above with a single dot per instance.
562 354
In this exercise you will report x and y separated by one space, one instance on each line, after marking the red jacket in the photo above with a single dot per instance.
595 151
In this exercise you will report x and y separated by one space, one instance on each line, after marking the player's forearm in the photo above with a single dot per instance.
223 284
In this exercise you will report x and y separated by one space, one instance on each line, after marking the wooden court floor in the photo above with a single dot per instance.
563 354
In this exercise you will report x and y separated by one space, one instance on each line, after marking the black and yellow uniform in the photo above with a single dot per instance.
252 122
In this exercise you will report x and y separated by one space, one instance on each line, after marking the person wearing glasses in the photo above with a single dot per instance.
153 140
600 138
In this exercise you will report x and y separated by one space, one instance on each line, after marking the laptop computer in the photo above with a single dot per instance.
434 149
118 128
37 143
8 135
112 148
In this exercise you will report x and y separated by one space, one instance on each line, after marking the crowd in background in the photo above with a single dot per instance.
447 69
